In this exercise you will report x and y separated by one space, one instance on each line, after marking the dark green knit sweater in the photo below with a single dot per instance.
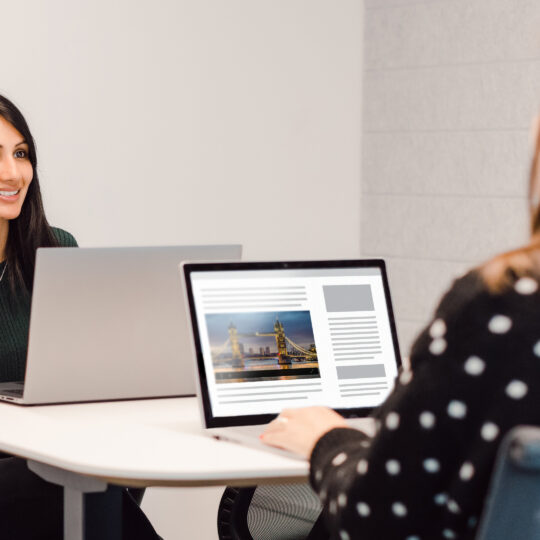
14 324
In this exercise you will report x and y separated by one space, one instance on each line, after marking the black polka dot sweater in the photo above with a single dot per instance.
475 373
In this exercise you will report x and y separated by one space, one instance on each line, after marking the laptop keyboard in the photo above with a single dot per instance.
15 391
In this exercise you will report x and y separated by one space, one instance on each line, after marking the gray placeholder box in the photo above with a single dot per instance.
348 298
361 372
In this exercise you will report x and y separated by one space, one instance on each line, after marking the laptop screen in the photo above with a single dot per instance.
270 336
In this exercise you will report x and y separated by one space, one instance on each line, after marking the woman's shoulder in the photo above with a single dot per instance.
465 290
472 318
65 239
472 291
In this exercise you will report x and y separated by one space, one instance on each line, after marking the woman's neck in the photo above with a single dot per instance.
4 228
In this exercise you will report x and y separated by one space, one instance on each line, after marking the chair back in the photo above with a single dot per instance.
512 508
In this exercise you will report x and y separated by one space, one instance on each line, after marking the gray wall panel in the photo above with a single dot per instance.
449 33
491 163
447 228
450 89
462 97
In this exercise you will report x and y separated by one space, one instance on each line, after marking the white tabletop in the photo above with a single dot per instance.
155 442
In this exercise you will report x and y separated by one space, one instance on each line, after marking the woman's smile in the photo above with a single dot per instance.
9 196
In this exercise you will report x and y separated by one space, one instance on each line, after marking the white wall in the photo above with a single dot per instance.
450 88
194 121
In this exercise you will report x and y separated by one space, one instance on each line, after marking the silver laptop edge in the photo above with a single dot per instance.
106 324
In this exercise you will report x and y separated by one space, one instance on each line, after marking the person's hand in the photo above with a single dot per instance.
298 430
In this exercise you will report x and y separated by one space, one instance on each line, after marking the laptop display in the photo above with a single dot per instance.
270 336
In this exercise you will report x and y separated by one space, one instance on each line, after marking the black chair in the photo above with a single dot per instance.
512 508
272 512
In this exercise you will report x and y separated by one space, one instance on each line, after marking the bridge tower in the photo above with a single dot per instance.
237 359
281 343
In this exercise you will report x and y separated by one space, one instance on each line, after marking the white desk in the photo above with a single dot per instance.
132 443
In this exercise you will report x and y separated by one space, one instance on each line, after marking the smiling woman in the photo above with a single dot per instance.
23 228
29 507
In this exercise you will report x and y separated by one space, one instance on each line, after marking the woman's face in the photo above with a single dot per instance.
15 171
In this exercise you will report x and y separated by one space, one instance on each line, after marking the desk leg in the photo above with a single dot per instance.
92 510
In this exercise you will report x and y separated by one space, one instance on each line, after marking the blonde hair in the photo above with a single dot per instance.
499 272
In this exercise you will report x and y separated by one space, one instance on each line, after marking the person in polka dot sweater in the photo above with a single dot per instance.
475 374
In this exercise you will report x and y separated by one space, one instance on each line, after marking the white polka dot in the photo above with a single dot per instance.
344 535
437 346
467 471
472 522
431 465
516 389
500 324
322 495
405 377
342 500
448 533
363 509
413 537
362 466
437 329
393 467
457 409
399 509
474 366
453 507
333 507
536 348
339 459
526 285
365 444
392 420
441 498
489 431
318 475
427 420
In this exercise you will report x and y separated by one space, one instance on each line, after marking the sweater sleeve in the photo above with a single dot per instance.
425 473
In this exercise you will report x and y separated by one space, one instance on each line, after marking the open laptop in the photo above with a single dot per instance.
106 324
275 335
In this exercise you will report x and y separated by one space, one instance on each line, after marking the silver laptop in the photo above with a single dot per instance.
106 324
274 335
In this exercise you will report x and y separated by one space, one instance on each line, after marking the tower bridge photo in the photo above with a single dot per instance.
262 346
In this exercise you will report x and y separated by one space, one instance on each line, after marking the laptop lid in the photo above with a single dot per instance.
106 323
271 335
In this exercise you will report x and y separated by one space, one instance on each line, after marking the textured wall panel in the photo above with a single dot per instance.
446 228
438 33
450 89
463 97
491 163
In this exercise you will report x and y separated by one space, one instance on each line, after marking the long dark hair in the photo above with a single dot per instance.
30 229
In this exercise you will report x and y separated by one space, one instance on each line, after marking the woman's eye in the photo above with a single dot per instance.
21 154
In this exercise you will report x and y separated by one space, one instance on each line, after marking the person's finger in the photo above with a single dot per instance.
278 424
275 438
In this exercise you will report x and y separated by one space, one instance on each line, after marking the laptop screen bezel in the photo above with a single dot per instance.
189 268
